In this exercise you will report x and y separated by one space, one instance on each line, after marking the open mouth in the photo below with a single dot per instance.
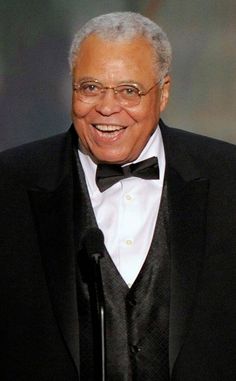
110 130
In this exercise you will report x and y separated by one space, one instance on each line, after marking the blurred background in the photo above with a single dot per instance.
35 84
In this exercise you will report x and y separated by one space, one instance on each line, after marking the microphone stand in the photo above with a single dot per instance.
99 317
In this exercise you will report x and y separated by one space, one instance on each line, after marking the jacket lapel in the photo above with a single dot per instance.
53 213
187 197
187 245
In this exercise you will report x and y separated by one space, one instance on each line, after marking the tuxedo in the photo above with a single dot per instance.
44 214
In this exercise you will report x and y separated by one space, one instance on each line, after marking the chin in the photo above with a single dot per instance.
110 159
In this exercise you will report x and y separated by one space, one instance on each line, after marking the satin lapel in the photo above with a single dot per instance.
187 199
84 214
53 213
187 207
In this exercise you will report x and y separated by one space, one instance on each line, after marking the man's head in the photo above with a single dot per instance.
130 53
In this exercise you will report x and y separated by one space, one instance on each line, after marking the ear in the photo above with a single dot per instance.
165 91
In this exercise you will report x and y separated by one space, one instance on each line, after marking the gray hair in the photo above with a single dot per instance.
121 26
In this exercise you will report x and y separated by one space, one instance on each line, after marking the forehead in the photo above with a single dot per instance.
115 60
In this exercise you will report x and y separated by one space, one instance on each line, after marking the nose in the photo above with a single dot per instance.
108 104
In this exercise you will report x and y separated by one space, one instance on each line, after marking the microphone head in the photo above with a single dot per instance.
93 242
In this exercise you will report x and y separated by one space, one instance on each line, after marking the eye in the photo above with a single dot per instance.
128 91
90 88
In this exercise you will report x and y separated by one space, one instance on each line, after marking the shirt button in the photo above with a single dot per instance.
128 197
135 349
129 242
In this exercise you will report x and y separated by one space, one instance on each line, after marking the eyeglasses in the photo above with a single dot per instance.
126 94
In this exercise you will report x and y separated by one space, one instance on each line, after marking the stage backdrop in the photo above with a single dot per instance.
35 84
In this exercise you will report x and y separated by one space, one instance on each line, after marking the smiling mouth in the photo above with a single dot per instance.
108 128
109 131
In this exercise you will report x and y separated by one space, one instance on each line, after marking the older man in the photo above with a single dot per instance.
165 202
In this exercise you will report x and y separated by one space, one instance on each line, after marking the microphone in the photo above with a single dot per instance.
93 242
93 246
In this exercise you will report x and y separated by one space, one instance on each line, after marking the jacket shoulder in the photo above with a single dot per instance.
25 162
205 150
188 137
196 156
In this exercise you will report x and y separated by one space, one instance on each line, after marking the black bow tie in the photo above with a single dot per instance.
109 174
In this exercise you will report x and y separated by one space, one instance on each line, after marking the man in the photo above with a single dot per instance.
169 266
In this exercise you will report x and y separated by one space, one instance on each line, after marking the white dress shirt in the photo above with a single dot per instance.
127 212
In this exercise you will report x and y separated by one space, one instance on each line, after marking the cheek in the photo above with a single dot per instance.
79 109
147 118
80 113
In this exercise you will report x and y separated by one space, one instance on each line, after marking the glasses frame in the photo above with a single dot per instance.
76 87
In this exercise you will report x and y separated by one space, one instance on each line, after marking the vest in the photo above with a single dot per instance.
137 319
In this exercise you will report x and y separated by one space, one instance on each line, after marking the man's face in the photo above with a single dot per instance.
108 131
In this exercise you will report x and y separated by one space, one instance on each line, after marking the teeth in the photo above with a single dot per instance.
109 128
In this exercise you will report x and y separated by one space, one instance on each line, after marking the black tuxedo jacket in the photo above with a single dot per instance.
39 317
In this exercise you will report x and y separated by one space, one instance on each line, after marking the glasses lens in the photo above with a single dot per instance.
128 94
88 91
